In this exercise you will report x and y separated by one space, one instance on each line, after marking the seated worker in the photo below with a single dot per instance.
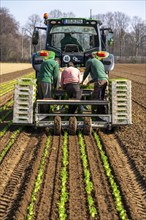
49 70
70 81
68 39
96 69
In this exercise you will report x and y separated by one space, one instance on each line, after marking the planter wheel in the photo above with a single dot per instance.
57 125
72 125
87 125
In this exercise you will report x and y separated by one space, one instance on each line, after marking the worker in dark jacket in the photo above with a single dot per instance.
100 79
48 72
68 39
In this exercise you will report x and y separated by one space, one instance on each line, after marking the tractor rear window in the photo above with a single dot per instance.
73 29
85 35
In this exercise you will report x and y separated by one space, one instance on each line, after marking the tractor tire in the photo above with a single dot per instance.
57 125
87 126
72 125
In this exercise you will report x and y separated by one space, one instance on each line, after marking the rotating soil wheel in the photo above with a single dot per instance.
57 125
87 125
72 125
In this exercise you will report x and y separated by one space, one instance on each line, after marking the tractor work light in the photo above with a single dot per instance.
44 53
102 54
46 15
53 22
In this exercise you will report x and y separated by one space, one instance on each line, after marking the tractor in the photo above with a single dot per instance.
90 36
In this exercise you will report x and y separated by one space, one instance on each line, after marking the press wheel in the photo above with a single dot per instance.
87 125
72 125
57 125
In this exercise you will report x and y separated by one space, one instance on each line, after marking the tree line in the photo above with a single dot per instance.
15 41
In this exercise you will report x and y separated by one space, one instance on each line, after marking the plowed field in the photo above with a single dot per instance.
43 176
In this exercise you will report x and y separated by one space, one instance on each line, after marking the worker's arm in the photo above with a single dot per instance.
55 75
79 77
87 70
62 79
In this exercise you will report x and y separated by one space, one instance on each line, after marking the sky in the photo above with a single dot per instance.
21 10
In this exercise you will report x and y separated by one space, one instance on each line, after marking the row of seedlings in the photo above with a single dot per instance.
10 143
5 115
64 179
4 107
6 128
87 177
115 189
9 86
38 182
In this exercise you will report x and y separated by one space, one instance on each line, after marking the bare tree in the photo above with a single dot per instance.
138 31
59 14
119 22
9 36
55 14
68 15
33 21
27 32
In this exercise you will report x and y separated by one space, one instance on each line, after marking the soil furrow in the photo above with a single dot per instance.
134 79
78 209
4 140
12 159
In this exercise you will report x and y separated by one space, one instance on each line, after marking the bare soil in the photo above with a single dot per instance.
13 67
124 147
13 75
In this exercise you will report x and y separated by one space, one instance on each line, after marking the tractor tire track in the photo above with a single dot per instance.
12 159
132 139
4 140
13 186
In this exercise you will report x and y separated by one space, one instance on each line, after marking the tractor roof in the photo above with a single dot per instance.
72 21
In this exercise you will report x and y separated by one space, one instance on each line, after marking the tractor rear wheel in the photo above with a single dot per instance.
57 125
72 125
87 125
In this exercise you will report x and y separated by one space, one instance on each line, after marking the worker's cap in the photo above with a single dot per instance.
100 54
51 55
47 54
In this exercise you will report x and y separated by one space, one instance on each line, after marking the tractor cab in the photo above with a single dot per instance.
72 40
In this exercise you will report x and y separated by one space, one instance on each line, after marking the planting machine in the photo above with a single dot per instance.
92 37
